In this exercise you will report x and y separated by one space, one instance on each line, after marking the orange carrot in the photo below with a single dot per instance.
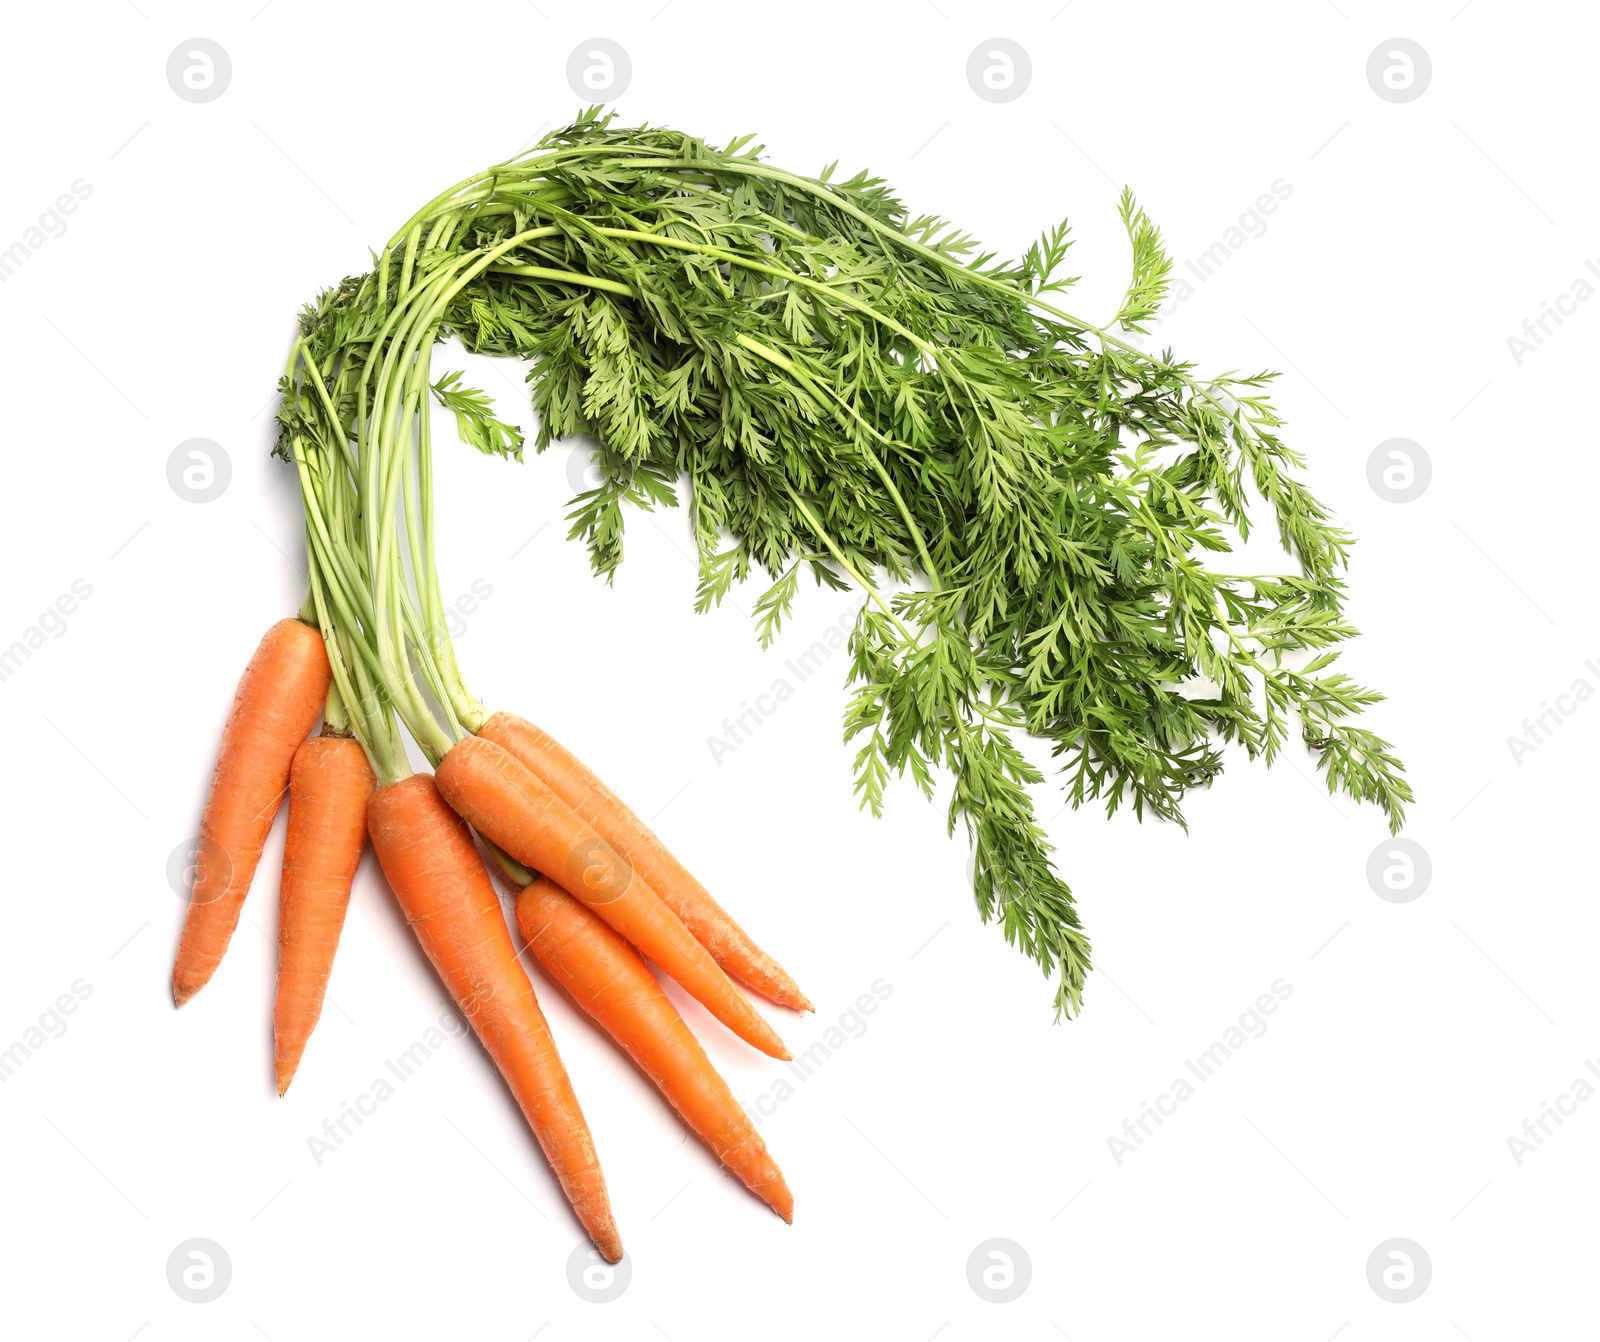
279 698
597 805
440 881
607 979
506 802
329 784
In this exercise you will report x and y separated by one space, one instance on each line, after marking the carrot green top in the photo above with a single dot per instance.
1026 499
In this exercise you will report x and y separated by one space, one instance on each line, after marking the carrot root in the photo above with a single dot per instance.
434 869
506 802
598 806
277 704
330 783
606 977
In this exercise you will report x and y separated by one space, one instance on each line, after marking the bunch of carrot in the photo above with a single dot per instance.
587 923
610 894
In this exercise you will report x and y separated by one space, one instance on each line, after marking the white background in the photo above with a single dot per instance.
1418 1036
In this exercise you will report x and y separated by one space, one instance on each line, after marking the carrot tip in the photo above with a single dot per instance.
804 1004
180 995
